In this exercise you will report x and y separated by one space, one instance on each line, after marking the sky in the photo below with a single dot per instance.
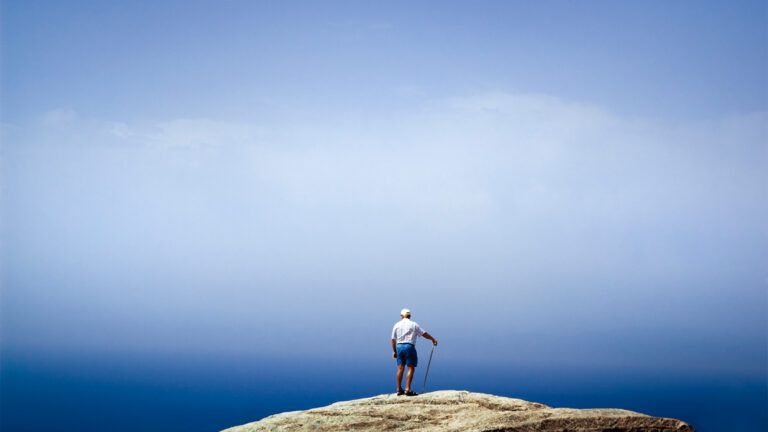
562 183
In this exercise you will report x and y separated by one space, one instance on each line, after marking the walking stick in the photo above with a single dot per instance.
424 386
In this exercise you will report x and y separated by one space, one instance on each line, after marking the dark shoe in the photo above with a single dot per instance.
400 392
411 393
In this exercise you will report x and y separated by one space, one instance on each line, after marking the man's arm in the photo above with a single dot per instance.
429 336
394 350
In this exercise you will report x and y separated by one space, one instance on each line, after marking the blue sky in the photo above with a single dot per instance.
576 182
234 58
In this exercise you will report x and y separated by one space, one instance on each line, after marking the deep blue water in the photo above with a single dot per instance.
209 394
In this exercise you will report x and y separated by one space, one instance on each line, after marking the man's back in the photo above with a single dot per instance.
406 331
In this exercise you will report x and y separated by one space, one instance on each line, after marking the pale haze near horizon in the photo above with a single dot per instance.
541 184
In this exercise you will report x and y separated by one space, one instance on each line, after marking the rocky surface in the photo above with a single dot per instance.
444 411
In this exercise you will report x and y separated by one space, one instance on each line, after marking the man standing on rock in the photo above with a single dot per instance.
404 335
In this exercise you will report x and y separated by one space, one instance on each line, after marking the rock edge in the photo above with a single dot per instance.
454 411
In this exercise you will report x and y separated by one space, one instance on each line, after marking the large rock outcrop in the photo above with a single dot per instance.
458 411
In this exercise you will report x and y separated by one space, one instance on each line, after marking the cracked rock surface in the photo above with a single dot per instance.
454 411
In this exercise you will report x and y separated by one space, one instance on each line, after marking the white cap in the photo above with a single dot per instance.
405 312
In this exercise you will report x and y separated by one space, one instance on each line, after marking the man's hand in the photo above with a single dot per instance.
394 355
430 337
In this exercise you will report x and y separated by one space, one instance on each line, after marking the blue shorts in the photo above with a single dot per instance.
406 355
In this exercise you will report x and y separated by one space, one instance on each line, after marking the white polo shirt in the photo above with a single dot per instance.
406 331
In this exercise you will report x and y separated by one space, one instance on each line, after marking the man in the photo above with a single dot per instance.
404 335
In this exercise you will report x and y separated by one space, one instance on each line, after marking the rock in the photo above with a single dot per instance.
444 411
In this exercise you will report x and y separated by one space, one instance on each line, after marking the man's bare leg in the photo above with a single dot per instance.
408 378
400 376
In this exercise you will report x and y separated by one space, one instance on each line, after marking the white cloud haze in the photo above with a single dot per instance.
517 216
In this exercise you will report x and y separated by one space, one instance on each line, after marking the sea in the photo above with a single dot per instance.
211 392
